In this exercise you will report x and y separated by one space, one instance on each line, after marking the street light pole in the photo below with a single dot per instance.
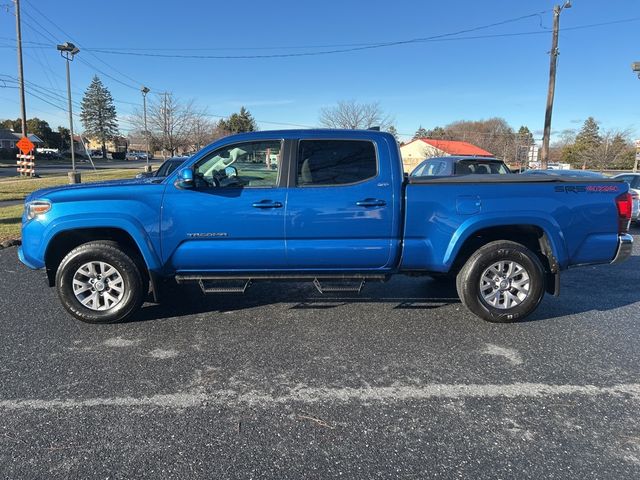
67 51
144 91
23 108
544 160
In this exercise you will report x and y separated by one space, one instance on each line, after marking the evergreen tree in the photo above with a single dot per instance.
239 122
63 138
524 136
437 133
589 135
98 114
392 130
587 143
421 133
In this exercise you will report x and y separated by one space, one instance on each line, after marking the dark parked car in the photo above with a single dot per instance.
453 166
165 169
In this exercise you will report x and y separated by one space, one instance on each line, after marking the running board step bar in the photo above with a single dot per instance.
340 286
224 287
324 283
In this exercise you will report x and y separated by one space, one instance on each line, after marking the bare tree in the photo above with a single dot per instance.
352 115
566 138
202 130
494 135
169 121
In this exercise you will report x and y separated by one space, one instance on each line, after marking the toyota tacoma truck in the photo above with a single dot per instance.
332 207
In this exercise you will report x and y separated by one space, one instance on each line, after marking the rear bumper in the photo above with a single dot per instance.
625 246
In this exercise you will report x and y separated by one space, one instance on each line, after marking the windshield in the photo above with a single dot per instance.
467 167
167 167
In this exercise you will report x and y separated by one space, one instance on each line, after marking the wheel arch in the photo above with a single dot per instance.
533 236
66 240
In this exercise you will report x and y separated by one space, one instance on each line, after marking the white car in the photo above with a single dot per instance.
633 179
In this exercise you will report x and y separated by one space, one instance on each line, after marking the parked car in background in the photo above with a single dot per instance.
165 169
453 166
565 173
633 179
131 156
144 155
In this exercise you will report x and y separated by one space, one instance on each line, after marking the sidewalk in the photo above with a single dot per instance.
10 203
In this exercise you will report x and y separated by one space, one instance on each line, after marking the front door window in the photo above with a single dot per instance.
241 165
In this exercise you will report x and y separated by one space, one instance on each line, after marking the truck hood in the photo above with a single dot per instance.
45 192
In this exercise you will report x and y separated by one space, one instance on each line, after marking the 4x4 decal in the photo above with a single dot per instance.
586 188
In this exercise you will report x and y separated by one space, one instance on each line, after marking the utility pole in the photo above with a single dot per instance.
144 91
552 84
23 108
165 126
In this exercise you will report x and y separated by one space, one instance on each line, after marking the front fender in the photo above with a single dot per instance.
547 223
38 234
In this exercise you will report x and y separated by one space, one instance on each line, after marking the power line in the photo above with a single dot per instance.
435 38
343 50
86 62
132 50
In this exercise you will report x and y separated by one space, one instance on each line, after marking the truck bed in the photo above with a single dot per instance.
576 215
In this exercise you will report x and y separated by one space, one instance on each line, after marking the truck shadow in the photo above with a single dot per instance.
403 293
585 289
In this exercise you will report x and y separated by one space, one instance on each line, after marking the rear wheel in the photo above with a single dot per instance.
501 282
98 282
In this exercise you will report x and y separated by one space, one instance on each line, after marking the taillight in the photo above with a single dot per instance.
624 203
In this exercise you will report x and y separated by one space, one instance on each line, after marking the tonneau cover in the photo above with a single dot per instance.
511 178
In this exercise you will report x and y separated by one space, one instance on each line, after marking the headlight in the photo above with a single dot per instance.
37 208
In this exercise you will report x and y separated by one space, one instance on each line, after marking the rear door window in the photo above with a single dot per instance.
432 168
467 167
335 162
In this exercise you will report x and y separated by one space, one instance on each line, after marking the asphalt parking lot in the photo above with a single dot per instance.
400 382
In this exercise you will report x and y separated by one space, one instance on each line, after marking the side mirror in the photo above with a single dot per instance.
185 178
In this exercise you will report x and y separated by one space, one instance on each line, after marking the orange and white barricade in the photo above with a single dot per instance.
26 164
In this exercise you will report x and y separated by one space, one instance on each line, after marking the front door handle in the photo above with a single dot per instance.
267 204
371 202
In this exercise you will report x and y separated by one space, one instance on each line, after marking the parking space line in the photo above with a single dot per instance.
201 398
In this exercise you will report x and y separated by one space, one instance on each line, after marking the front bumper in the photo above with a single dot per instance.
625 246
28 261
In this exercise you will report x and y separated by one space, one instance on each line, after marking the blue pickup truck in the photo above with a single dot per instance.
332 207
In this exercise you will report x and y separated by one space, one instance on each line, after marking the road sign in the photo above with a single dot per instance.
25 145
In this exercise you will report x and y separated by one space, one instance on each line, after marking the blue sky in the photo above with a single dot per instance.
424 83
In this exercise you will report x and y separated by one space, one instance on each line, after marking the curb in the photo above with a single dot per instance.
10 243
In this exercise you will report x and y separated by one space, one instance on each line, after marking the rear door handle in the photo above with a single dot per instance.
371 202
267 204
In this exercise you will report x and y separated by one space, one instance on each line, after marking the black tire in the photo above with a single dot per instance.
135 284
469 288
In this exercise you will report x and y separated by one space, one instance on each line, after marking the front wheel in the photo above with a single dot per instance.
501 282
99 282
